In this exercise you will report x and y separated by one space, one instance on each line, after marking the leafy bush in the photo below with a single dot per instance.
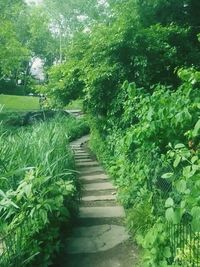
152 153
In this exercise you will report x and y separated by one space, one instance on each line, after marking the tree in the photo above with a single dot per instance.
42 42
13 53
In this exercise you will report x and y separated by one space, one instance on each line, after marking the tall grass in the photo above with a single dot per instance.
43 146
37 187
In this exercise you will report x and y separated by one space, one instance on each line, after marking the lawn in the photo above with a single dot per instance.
12 103
25 103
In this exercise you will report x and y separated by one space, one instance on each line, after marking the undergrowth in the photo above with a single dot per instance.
39 190
149 143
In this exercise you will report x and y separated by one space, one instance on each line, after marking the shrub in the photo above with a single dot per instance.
152 153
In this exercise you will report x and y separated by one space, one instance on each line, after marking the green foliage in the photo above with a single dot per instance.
75 105
140 217
127 48
37 201
145 123
65 84
38 190
13 53
190 250
143 99
41 41
150 145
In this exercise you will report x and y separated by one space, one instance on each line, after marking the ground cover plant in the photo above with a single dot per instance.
152 153
38 190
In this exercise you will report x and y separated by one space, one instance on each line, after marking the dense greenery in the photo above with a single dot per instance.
138 73
152 153
30 31
38 190
127 48
136 64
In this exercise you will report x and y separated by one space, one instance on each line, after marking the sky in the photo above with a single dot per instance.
33 1
37 69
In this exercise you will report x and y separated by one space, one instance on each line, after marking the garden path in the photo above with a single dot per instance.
99 239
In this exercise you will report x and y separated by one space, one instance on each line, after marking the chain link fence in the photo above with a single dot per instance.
184 243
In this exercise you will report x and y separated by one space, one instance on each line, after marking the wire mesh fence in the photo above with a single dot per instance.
183 241
17 246
185 245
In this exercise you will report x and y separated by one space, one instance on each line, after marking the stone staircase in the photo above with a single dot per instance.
100 238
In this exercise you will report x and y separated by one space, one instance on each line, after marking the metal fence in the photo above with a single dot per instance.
184 243
17 246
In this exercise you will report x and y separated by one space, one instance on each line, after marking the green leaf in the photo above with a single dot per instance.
169 214
2 194
174 216
27 190
177 161
167 252
196 129
178 146
169 202
195 158
167 175
195 212
187 172
181 186
183 204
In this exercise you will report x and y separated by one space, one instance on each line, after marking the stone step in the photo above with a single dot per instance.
96 178
78 148
74 148
85 160
80 141
82 164
98 198
88 181
101 203
91 170
81 154
98 186
99 192
101 212
83 139
75 145
80 157
96 238
93 177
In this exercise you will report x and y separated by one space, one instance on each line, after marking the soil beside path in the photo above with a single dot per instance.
99 239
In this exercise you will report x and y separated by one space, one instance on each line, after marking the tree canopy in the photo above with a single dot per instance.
99 44
140 41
